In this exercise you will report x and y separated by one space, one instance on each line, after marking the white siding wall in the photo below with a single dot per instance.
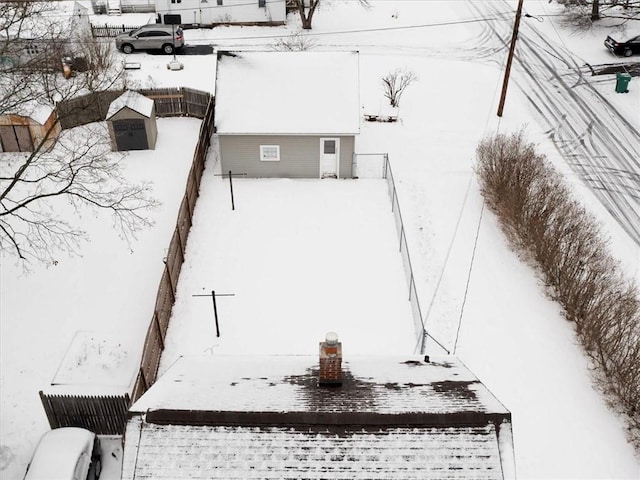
231 11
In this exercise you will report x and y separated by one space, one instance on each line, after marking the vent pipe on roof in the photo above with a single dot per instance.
330 361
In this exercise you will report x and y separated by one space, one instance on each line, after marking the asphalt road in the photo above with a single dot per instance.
188 50
599 144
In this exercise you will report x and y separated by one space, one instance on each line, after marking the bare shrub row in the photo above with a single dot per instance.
554 232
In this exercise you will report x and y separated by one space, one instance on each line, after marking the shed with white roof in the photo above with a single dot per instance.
287 114
131 120
25 131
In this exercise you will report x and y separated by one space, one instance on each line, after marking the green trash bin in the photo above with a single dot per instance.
622 82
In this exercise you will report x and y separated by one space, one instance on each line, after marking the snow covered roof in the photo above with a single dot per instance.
190 452
35 110
133 100
287 93
41 113
226 416
96 362
288 383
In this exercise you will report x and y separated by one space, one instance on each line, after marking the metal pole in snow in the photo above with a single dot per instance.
215 307
233 207
231 174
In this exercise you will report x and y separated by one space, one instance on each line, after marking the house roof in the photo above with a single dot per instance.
36 110
287 93
238 417
132 100
85 370
288 383
223 452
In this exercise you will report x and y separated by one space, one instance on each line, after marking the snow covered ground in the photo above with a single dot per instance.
301 257
108 292
510 335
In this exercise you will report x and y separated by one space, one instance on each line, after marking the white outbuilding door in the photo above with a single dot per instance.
329 157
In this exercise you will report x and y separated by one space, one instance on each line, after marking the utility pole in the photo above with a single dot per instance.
512 48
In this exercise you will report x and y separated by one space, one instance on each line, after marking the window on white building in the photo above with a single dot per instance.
269 153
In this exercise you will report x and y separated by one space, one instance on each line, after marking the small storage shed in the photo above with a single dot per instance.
287 114
22 132
131 120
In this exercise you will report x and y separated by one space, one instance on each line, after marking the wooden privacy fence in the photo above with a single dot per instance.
89 108
178 101
154 341
169 102
103 415
106 415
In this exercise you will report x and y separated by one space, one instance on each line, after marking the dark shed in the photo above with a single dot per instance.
131 120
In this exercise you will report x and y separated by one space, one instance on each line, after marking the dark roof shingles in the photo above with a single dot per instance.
170 451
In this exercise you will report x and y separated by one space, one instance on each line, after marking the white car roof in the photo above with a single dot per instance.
57 453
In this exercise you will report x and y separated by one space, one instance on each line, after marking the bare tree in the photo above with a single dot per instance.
294 43
72 168
306 9
395 83
582 13
595 10
21 55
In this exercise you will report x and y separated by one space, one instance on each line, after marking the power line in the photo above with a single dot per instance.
342 32
367 30
466 288
446 258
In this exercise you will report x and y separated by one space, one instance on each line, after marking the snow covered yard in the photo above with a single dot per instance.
108 291
301 257
511 336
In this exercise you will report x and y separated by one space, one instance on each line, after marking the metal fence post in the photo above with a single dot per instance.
384 169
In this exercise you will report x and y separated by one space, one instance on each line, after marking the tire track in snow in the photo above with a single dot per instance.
603 149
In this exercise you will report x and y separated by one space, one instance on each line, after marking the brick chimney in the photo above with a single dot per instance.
330 361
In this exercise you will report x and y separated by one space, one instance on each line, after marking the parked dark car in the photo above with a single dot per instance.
627 46
67 453
154 36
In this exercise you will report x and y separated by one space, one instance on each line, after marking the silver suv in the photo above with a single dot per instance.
154 36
